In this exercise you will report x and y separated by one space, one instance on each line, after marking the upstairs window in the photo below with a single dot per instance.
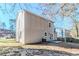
45 34
49 24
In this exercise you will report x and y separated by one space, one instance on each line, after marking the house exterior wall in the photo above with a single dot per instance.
73 32
67 34
33 28
20 34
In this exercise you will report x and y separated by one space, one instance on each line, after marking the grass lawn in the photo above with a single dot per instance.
11 43
7 41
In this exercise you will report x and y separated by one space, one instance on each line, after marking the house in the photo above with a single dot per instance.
31 28
67 33
4 33
75 30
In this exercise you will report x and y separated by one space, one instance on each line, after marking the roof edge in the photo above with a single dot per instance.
35 15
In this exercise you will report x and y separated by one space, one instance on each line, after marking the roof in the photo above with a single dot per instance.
36 15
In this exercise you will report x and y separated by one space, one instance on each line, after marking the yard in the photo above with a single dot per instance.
9 42
9 47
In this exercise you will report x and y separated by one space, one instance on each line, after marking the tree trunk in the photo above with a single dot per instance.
62 33
77 30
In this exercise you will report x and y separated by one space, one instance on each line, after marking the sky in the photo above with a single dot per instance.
6 13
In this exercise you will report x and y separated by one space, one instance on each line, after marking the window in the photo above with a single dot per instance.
45 34
49 24
51 36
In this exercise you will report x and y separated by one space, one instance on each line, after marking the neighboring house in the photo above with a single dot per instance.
5 33
67 34
73 31
31 28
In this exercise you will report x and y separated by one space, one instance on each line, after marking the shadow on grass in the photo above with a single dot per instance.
20 49
40 52
62 44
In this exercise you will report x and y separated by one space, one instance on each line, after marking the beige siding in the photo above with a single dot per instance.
33 28
20 28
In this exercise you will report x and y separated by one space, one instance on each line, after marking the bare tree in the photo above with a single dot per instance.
12 24
63 10
3 25
49 10
70 10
